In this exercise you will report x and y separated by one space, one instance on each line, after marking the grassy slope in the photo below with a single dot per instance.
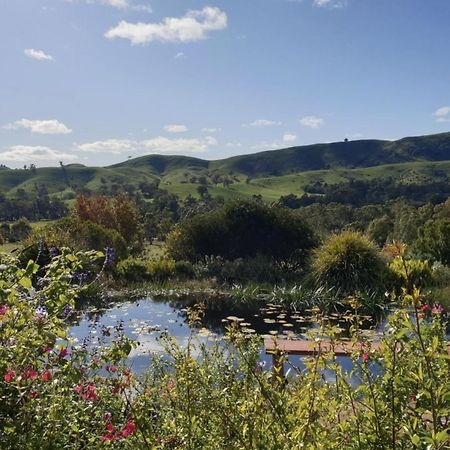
271 173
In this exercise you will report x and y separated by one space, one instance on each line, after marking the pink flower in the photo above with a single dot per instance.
9 376
425 308
3 310
128 429
46 375
365 357
111 369
89 392
437 309
78 388
47 348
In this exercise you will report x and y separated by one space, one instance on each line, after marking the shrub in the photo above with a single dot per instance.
19 230
133 269
434 241
242 229
161 270
349 262
184 270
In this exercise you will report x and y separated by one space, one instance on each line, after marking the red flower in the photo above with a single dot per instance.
111 369
128 429
89 392
30 374
365 357
46 376
47 348
33 394
9 376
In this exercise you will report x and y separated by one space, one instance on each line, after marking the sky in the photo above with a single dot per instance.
98 81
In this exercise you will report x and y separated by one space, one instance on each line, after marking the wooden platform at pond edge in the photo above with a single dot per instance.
311 348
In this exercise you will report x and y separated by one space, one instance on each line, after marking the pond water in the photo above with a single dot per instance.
144 321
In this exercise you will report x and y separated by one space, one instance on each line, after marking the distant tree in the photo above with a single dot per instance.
433 241
202 191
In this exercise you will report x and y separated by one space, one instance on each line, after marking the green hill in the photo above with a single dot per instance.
420 160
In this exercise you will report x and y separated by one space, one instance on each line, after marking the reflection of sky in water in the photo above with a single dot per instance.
145 320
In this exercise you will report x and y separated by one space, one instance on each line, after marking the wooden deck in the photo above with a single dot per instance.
311 348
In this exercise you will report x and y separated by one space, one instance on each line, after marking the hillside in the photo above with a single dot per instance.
419 160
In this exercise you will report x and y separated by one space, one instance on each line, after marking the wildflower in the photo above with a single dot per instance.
41 314
63 352
33 394
46 375
78 388
89 393
437 309
9 376
365 357
109 256
3 310
30 374
128 429
425 308
111 369
67 311
47 348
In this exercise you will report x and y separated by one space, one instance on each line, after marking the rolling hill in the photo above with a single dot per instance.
272 173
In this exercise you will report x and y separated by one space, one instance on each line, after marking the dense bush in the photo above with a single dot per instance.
242 229
409 273
349 262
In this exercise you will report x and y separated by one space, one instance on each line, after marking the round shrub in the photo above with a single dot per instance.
349 262
161 270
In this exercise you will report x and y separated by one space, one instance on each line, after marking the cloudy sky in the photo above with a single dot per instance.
97 81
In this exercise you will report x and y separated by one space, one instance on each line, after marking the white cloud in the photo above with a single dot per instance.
312 122
174 128
38 55
114 146
180 55
442 114
165 145
330 3
119 4
192 27
156 145
210 130
40 126
262 123
289 137
25 153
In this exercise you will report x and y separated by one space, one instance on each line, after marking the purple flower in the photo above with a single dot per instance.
67 311
109 256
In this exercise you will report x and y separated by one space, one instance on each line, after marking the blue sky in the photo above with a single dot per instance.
96 81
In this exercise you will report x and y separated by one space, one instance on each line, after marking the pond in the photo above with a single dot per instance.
145 319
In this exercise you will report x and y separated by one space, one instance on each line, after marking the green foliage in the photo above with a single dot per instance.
349 262
242 229
434 241
133 269
139 270
413 271
19 230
